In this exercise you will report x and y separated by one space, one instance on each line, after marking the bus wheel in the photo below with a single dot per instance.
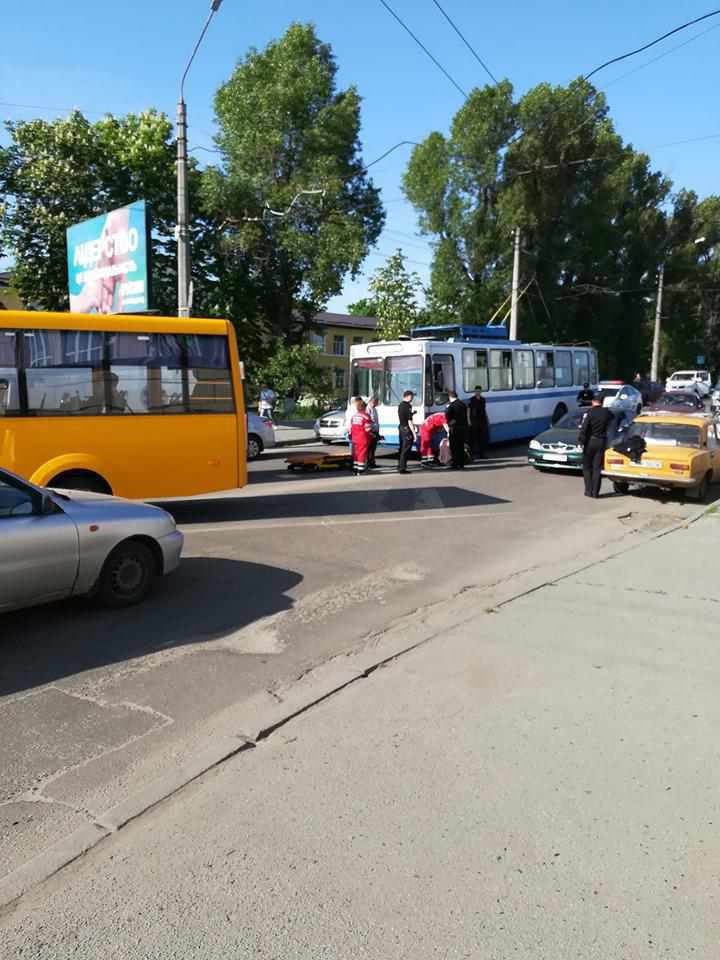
81 480
560 411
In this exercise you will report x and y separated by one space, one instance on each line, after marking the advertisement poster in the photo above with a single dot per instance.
108 262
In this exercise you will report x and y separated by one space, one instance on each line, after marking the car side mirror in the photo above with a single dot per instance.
47 505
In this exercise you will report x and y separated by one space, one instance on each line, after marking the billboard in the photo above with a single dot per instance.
108 262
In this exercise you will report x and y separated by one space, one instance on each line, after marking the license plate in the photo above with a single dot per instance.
555 457
652 464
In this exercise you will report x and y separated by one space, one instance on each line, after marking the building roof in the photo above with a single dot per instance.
4 279
345 320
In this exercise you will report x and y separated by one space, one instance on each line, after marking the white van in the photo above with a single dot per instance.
689 380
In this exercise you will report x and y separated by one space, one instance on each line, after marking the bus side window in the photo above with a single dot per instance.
593 367
563 368
501 373
443 377
524 369
582 368
145 374
545 368
475 370
210 385
9 396
64 371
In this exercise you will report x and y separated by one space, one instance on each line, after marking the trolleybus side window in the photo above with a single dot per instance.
443 367
563 368
401 374
9 395
545 363
593 367
524 368
64 371
501 374
475 370
582 368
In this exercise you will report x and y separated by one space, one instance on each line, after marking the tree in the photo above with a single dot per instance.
364 307
54 174
293 371
395 294
291 195
590 207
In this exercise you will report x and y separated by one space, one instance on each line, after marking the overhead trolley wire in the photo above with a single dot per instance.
467 43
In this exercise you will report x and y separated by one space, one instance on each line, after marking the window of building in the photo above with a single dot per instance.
357 340
563 368
339 378
501 372
545 368
339 345
9 394
475 370
64 371
317 340
582 368
524 369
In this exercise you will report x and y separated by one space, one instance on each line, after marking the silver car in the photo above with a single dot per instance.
331 426
260 435
56 544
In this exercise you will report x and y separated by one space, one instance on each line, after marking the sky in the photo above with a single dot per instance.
128 56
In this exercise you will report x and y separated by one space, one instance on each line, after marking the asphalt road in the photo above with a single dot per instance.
276 579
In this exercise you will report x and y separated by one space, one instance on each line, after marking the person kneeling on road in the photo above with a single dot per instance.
429 431
593 438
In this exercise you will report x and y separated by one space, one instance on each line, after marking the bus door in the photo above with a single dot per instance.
439 380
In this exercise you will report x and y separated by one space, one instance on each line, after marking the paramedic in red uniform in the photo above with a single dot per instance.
436 421
360 430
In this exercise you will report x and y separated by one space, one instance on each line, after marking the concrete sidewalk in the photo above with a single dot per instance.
538 781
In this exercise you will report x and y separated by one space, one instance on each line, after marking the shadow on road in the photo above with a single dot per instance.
353 501
207 598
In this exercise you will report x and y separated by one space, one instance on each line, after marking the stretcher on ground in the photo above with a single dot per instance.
314 462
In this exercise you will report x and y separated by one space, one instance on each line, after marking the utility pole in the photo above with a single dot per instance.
658 321
181 231
182 234
515 287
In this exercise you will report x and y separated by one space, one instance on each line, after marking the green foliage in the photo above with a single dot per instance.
285 128
57 173
293 370
592 213
364 307
395 294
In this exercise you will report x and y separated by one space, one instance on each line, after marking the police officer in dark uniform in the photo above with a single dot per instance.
406 428
593 437
478 424
585 397
457 418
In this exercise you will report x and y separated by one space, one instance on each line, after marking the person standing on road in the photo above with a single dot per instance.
585 397
593 438
375 430
479 427
266 406
457 418
360 431
408 433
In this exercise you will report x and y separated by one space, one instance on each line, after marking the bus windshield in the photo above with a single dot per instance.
367 377
402 374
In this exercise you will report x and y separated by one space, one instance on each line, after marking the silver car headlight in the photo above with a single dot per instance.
535 445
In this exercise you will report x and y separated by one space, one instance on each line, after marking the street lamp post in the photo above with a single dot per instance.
181 230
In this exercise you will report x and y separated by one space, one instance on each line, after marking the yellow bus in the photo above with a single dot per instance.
140 407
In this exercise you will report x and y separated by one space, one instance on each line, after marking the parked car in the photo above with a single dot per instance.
330 426
676 402
619 397
684 380
715 398
650 390
260 435
56 544
681 451
558 447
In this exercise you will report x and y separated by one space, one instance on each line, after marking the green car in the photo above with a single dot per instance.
558 447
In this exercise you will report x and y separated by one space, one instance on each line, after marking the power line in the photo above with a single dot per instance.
423 48
632 53
466 42
661 56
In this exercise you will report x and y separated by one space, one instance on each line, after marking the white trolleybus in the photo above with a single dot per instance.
527 386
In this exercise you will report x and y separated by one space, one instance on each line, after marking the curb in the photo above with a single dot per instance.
296 443
264 713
